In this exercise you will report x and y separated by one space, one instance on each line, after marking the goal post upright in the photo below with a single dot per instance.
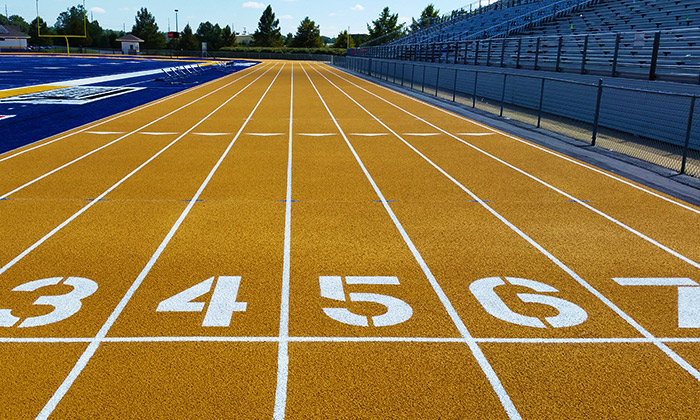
66 37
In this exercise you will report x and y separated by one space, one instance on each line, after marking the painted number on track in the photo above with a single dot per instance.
64 306
397 311
222 304
688 296
569 315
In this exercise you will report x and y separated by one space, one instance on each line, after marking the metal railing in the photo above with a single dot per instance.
666 55
658 127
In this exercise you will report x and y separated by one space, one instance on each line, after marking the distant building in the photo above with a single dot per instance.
130 44
12 37
244 40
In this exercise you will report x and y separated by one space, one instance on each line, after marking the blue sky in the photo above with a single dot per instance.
331 16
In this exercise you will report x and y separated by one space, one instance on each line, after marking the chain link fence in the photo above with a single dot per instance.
658 127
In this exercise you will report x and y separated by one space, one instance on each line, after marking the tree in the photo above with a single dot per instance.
17 20
147 29
426 17
72 22
95 34
211 34
228 37
385 26
289 39
342 40
188 40
34 33
308 35
268 32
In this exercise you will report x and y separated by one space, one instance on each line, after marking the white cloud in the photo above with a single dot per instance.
404 19
287 17
98 10
357 8
253 5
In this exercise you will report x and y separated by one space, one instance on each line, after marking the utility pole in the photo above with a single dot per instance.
177 29
348 37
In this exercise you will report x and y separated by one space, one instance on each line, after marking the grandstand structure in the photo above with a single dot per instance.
620 74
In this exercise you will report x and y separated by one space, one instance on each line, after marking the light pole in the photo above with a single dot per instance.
176 28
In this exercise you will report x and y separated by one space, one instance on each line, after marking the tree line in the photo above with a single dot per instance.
268 34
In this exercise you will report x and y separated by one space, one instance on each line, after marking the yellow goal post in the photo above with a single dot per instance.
66 37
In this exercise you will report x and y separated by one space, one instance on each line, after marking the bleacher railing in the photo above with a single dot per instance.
664 55
655 126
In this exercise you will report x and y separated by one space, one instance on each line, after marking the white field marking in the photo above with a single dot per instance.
138 109
533 145
204 339
264 134
674 356
212 134
316 134
474 134
283 348
421 134
654 281
486 367
369 134
105 132
115 141
92 347
153 133
110 189
544 183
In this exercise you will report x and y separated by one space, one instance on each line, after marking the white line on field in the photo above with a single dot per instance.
486 367
92 347
283 348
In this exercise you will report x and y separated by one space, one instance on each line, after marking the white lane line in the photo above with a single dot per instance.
101 196
115 140
486 367
316 134
369 134
92 347
474 134
154 133
542 182
525 142
212 134
674 356
421 134
264 134
283 348
138 109
212 339
105 132
654 281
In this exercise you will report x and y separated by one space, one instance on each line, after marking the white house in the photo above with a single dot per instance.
130 44
12 37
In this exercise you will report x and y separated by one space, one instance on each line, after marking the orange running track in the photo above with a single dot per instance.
292 241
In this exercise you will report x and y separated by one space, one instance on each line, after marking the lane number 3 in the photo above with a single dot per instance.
64 306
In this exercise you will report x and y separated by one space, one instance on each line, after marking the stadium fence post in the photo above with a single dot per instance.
687 134
437 81
517 59
413 72
537 52
616 55
503 94
559 45
476 78
422 85
597 112
488 54
476 52
403 73
585 52
454 87
503 51
654 55
539 108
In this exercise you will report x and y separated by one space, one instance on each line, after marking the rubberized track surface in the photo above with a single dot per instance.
293 241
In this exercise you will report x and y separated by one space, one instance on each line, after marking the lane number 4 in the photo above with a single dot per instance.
397 311
222 303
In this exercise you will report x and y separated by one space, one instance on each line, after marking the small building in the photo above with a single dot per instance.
244 40
12 38
130 44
